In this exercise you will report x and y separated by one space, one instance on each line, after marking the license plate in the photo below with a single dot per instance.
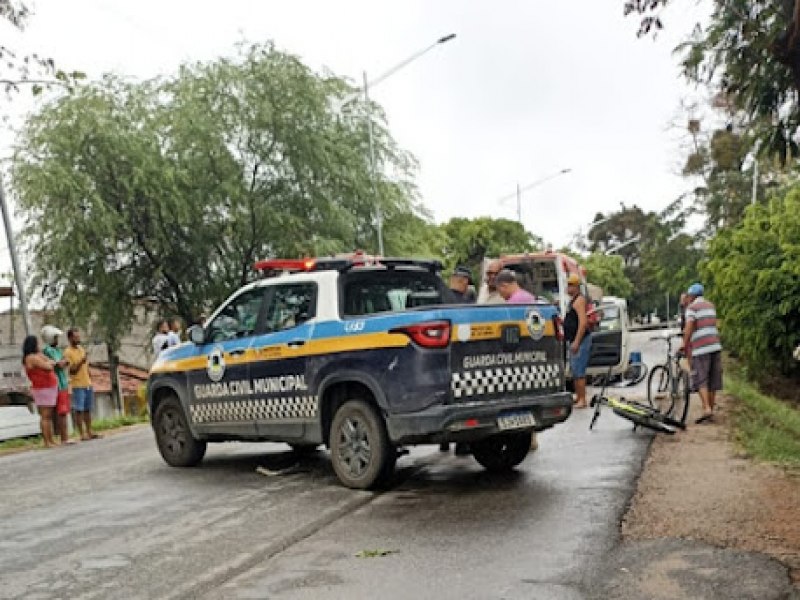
516 420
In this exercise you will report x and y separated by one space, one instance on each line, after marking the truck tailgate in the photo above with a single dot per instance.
504 352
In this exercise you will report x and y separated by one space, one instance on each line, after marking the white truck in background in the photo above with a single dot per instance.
18 416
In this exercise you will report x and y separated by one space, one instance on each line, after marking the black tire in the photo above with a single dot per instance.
304 449
174 438
658 392
502 452
362 455
680 405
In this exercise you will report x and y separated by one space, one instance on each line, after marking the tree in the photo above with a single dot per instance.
749 55
652 262
753 276
172 189
468 241
36 71
608 273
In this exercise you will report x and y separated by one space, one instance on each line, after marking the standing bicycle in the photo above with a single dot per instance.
668 385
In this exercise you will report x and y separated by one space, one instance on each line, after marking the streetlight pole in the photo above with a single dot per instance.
755 172
19 280
537 183
372 160
372 167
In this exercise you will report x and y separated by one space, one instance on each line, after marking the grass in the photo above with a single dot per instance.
97 425
768 428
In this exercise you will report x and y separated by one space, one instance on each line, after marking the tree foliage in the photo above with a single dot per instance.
172 189
753 275
32 70
662 261
608 272
468 241
749 56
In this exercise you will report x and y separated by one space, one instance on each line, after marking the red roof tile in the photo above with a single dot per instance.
130 378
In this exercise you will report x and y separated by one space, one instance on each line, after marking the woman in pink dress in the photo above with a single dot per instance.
44 385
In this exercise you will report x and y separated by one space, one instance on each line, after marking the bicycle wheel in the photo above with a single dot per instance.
658 389
635 373
680 398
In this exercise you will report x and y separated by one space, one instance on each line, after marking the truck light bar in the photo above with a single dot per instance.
342 263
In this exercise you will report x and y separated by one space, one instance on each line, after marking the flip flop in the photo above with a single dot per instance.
709 418
96 436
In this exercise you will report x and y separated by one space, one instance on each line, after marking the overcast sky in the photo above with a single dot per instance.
528 87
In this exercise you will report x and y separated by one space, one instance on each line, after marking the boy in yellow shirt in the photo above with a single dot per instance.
81 383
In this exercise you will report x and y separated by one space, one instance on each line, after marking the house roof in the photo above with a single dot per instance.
130 378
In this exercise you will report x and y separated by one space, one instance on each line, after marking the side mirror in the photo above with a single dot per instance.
196 334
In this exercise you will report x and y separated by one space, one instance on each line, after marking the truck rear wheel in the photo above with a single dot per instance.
502 452
361 453
174 438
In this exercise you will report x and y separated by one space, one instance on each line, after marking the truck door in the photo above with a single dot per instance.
219 386
285 404
610 342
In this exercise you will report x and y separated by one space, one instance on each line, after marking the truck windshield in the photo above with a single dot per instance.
373 291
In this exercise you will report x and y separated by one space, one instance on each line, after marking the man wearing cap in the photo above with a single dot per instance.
703 348
51 350
511 291
459 284
576 332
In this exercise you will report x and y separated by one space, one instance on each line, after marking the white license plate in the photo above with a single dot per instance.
516 420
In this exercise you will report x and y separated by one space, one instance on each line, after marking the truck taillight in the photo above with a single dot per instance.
559 325
435 334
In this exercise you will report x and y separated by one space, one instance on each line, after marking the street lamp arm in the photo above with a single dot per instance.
536 183
380 78
410 59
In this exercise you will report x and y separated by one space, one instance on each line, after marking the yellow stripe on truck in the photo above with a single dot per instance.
345 343
476 332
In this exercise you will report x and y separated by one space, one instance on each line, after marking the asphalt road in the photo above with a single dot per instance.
108 519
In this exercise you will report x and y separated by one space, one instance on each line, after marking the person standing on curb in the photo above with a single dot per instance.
51 350
81 383
703 348
576 332
44 385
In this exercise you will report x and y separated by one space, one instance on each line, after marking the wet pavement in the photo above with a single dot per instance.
108 519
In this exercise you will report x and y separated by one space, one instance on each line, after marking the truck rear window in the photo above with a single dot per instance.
366 292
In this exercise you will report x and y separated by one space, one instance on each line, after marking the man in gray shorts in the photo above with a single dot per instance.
703 349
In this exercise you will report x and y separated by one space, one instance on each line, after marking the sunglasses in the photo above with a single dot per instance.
490 273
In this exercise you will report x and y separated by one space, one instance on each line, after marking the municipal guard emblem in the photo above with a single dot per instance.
535 322
216 365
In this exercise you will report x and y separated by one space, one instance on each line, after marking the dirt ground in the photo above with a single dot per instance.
697 486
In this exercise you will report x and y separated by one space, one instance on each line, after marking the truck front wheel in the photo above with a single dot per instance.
361 452
502 452
174 438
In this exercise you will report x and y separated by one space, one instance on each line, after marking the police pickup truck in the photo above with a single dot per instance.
364 356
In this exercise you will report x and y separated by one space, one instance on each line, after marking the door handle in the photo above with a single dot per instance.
296 343
235 353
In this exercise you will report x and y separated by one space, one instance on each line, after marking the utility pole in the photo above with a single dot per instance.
519 204
19 280
372 168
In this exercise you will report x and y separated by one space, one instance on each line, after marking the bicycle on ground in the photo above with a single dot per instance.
640 414
668 385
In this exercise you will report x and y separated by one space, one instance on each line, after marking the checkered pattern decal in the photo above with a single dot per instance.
289 407
485 382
